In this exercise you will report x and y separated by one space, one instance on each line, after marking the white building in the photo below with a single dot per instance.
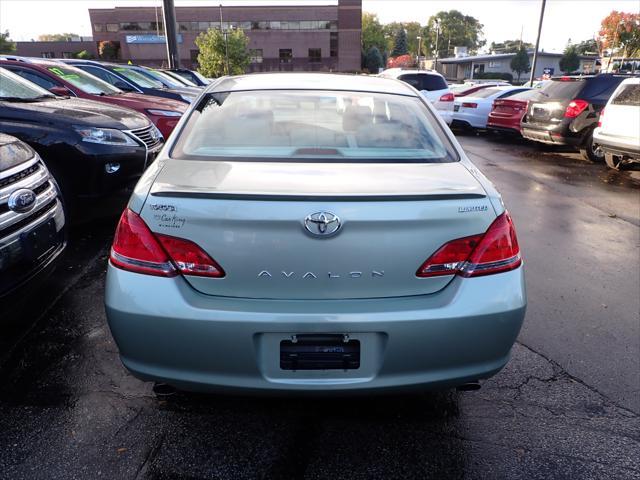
467 67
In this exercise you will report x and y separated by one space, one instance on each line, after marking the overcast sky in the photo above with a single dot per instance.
502 19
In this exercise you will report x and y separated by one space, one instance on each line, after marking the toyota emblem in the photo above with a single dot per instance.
322 224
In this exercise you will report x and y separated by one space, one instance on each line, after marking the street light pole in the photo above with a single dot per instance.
437 39
419 48
171 34
226 43
535 53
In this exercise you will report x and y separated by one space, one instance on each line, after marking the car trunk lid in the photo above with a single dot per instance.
250 217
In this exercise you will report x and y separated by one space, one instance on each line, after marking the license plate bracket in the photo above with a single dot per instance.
39 240
320 352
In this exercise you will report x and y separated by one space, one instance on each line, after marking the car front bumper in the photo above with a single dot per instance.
168 332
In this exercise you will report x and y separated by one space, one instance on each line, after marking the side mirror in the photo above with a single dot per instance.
123 86
60 91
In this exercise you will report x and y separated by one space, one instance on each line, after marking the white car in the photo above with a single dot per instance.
473 111
618 131
431 85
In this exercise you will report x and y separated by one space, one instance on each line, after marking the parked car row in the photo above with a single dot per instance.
72 130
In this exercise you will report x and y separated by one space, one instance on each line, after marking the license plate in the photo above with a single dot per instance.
39 240
320 352
456 108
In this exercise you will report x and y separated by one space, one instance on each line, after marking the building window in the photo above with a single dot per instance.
495 64
286 55
256 55
184 26
315 55
333 44
98 27
112 27
193 56
48 55
67 54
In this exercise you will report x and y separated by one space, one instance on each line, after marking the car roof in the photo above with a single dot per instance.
395 72
312 81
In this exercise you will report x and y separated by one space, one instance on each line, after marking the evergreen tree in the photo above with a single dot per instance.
373 60
520 63
400 45
570 61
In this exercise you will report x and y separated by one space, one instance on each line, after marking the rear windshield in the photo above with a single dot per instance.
526 95
563 89
424 81
486 92
628 95
312 125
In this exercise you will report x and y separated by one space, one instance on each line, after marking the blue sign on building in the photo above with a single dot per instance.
149 39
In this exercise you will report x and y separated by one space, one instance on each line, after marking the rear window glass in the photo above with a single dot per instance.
313 126
526 95
486 92
424 81
563 89
628 95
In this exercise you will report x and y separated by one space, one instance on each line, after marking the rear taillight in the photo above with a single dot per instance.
469 105
575 108
600 117
137 249
495 251
447 97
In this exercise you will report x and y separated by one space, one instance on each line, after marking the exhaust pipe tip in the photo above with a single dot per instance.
469 387
163 389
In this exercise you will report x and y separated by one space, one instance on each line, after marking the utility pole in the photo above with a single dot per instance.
171 33
419 48
226 44
535 52
435 67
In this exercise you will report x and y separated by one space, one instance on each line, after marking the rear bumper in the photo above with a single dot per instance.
204 343
504 124
625 147
446 114
557 134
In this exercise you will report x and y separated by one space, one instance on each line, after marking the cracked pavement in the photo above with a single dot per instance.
566 406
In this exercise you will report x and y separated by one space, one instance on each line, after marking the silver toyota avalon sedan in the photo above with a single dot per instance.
316 233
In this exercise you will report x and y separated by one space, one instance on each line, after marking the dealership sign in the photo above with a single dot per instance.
149 39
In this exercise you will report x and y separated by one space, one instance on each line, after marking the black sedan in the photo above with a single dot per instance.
90 148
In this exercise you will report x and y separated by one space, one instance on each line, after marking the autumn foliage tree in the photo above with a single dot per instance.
620 32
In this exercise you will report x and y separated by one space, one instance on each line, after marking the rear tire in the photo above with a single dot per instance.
590 151
613 161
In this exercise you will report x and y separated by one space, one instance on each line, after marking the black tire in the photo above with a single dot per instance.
591 152
613 161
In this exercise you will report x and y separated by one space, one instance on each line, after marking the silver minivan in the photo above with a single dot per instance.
316 233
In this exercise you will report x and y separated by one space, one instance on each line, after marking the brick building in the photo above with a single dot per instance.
285 38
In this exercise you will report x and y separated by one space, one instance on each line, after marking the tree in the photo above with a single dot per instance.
6 45
108 50
509 46
400 46
373 60
412 29
570 61
373 34
57 37
456 30
82 54
588 47
212 59
520 63
621 31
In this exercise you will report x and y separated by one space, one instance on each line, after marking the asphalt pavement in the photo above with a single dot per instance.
566 406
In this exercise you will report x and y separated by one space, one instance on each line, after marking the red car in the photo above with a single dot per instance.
506 113
62 79
466 90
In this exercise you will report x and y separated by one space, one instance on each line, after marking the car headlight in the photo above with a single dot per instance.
164 113
105 136
187 98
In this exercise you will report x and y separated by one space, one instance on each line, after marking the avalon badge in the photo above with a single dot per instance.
22 200
322 224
